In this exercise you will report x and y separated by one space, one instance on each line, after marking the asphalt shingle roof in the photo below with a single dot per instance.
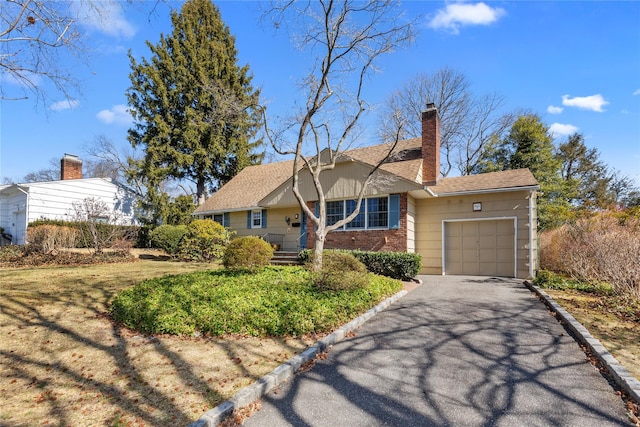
251 185
254 183
486 181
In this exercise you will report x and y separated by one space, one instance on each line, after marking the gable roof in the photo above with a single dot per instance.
405 161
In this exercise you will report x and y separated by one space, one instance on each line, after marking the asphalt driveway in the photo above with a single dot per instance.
456 351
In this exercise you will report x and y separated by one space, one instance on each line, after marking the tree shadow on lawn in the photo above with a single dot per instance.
63 361
434 361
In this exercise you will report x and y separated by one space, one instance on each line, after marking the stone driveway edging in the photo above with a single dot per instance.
620 375
282 373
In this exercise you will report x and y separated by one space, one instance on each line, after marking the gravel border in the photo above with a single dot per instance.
282 373
619 374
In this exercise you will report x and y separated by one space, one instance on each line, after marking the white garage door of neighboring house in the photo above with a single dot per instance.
480 247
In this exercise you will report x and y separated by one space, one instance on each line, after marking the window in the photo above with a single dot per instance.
358 221
256 219
219 218
335 212
378 212
374 213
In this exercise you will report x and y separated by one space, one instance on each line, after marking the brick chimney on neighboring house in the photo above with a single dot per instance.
430 145
70 167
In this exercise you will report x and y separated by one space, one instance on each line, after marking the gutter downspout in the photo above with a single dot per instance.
531 249
26 213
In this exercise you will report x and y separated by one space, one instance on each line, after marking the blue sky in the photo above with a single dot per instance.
576 64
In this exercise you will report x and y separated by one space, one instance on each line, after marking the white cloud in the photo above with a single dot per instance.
456 15
67 104
118 114
562 129
637 92
593 102
106 17
552 109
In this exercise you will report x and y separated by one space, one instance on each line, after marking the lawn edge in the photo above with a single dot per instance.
619 373
282 373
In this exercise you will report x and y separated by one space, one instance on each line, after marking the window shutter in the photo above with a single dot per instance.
264 218
225 219
249 220
394 211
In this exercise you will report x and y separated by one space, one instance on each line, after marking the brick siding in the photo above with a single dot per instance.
367 240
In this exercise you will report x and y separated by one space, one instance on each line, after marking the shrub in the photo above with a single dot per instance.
598 249
250 253
340 271
49 238
143 236
550 280
167 238
398 265
107 233
277 301
204 240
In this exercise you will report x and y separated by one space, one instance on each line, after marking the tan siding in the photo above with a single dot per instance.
276 224
411 224
343 182
431 212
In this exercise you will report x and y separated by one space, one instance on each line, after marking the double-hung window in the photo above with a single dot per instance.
359 221
335 212
256 219
378 212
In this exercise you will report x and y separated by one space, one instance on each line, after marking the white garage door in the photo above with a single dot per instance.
480 248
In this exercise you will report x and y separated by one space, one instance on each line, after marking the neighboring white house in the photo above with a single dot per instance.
21 204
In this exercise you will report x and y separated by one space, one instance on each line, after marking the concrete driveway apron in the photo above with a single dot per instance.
456 351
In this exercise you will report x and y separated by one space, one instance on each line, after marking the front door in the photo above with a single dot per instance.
303 231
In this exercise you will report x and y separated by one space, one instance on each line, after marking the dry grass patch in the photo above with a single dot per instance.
621 337
63 362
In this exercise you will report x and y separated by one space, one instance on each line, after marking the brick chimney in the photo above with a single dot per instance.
70 167
430 145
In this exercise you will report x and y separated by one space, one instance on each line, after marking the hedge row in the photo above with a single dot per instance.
398 265
85 240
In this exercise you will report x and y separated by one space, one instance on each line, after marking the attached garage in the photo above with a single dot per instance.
483 233
480 248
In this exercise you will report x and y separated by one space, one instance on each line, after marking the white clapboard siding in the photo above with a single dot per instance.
55 200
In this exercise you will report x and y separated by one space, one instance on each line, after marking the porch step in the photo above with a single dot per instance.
285 258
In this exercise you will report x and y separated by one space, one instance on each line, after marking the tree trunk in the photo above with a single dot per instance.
200 194
317 251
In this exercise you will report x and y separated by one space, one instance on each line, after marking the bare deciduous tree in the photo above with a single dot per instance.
39 39
52 173
93 212
467 121
108 161
345 38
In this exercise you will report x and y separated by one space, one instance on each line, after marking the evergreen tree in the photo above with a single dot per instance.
530 145
585 174
196 112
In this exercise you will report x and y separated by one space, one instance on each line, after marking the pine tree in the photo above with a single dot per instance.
588 176
530 145
196 112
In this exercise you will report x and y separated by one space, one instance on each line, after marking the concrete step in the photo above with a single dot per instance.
285 258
